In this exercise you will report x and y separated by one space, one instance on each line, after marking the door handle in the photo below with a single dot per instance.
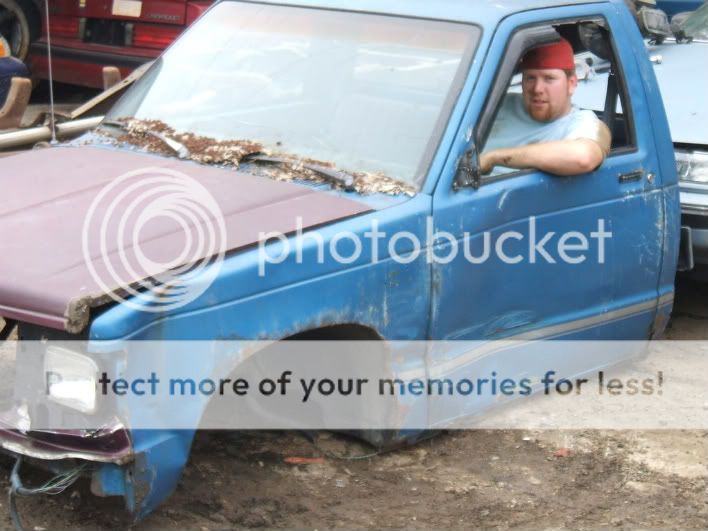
630 177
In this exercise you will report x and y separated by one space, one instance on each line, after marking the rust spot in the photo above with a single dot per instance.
207 150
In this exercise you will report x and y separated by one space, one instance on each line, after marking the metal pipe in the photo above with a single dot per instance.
24 137
52 114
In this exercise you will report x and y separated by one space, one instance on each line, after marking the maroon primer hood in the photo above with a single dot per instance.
47 193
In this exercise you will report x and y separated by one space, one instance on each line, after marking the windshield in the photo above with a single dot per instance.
696 25
367 93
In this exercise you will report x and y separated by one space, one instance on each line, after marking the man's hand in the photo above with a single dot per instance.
562 157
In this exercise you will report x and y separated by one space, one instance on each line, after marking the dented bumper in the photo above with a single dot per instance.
108 445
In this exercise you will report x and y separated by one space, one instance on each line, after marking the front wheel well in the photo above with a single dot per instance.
339 332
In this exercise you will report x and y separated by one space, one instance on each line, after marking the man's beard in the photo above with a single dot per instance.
543 113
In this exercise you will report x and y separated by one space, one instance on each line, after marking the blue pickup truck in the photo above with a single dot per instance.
335 118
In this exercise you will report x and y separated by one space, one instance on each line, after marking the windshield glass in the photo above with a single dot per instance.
696 25
367 93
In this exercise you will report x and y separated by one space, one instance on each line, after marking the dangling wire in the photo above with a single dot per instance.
52 487
52 122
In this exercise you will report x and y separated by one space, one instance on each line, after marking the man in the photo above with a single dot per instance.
540 128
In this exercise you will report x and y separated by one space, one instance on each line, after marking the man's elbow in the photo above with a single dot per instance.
585 163
589 158
588 164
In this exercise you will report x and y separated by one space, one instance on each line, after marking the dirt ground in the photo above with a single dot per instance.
498 479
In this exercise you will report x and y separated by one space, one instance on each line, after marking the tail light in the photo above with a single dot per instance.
153 36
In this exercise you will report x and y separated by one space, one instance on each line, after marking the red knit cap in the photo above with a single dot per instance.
557 55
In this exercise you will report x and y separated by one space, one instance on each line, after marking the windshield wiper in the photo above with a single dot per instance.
334 176
179 148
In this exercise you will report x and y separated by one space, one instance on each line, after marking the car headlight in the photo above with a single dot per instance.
70 379
692 166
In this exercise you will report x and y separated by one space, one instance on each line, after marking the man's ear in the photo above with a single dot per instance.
572 84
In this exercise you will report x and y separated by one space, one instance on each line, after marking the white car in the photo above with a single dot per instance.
681 67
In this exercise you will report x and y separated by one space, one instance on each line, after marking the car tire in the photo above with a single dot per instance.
20 25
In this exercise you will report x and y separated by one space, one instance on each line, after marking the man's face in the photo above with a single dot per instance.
547 93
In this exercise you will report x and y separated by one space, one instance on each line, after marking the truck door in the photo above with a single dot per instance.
516 282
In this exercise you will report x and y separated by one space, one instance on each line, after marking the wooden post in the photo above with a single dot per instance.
111 76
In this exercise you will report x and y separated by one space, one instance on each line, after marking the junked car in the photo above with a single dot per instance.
89 35
685 106
684 100
300 117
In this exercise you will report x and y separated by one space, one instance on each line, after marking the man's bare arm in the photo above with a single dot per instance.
562 157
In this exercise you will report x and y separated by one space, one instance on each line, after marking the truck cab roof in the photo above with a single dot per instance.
457 10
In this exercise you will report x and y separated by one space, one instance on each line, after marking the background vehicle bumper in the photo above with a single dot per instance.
82 66
694 217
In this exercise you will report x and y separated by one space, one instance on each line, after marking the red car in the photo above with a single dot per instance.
87 35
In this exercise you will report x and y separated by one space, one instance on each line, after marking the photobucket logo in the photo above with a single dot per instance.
530 246
154 239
